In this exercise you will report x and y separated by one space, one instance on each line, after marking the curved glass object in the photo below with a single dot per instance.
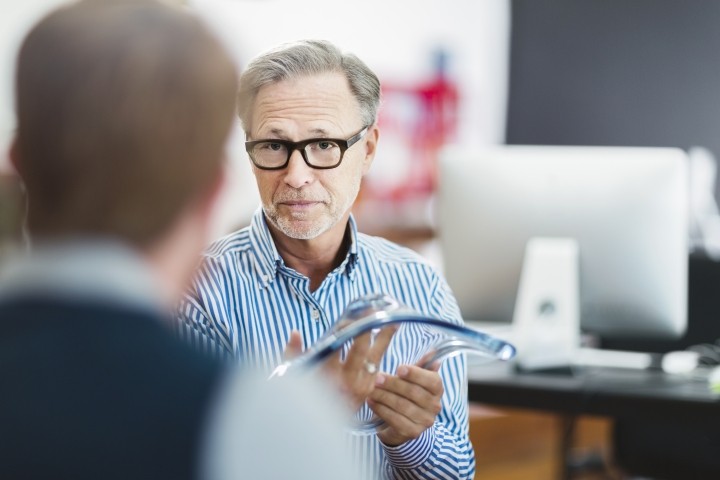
371 313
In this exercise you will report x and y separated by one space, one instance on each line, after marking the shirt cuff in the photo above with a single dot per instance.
412 453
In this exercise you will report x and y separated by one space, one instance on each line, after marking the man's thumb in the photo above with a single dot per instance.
294 346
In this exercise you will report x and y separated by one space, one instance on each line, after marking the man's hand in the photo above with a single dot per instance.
408 402
355 377
294 346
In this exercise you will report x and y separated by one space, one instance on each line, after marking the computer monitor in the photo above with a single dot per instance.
626 208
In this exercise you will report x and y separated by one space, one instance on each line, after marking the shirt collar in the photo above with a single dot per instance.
353 251
269 261
87 269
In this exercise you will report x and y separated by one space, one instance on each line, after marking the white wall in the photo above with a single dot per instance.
395 38
16 18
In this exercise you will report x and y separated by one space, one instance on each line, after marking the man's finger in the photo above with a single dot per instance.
413 375
381 343
355 359
294 346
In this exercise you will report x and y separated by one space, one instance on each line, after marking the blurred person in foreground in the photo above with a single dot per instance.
123 110
309 113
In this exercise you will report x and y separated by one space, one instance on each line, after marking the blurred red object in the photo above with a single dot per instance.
422 118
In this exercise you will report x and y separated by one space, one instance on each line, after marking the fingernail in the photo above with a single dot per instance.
379 379
402 371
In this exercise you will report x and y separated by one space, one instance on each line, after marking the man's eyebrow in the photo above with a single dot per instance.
320 132
280 134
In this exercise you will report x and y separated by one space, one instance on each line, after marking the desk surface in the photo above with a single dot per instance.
596 391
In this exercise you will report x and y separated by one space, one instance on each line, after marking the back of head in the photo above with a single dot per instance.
306 58
123 109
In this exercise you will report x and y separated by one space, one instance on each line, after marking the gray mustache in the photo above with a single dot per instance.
297 196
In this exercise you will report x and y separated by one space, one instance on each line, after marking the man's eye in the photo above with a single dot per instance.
324 145
272 146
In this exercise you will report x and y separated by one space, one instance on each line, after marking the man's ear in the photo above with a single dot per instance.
371 141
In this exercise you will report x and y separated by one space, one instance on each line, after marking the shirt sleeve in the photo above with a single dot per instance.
443 451
202 314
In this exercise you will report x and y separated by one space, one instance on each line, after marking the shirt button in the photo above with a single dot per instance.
314 314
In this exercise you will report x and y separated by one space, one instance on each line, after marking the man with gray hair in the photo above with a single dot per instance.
309 113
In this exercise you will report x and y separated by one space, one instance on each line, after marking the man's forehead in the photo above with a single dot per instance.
318 105
328 86
319 131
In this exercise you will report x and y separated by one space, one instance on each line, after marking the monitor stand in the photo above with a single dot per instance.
546 317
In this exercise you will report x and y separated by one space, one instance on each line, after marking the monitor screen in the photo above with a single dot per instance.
625 207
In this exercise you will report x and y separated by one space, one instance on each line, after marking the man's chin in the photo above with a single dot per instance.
301 229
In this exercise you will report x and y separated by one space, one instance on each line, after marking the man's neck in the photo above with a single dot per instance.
317 257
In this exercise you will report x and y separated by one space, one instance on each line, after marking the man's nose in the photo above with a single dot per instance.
298 173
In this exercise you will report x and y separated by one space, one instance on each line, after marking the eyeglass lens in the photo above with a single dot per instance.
322 153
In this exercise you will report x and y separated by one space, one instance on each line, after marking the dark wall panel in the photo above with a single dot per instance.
615 72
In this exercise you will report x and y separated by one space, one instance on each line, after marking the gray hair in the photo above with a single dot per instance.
305 58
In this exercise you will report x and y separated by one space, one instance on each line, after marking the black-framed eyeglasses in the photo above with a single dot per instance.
320 153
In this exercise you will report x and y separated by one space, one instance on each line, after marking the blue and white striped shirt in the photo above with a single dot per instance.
246 301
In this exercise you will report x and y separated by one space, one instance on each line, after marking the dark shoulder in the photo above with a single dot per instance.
132 336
